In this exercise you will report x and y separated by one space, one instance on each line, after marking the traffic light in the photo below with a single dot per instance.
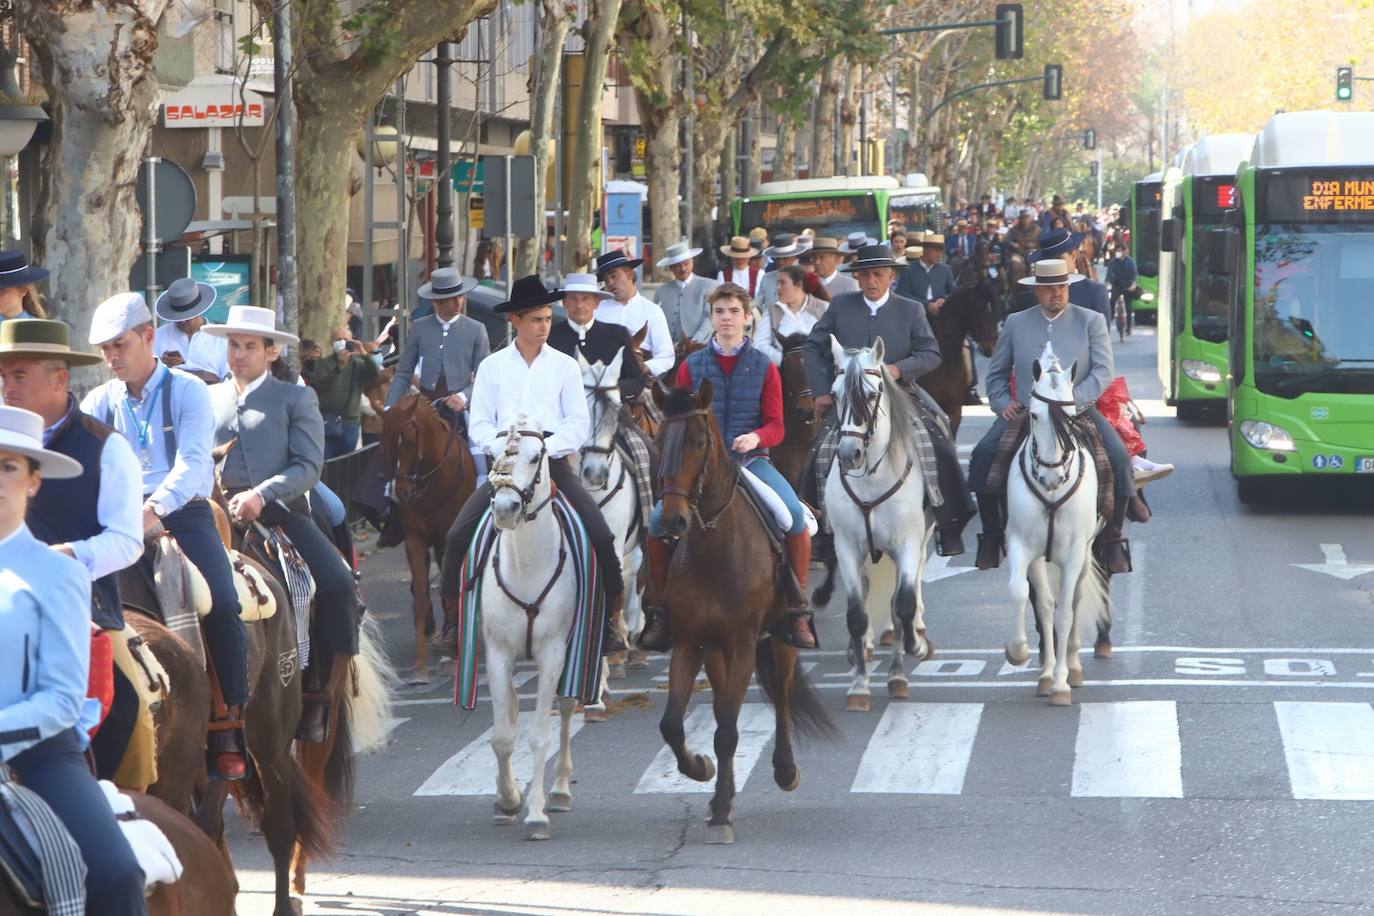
1054 82
1092 168
1090 139
1009 20
1345 84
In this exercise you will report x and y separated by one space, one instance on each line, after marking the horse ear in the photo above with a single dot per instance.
704 393
638 338
1073 371
837 352
1035 369
878 350
582 362
613 370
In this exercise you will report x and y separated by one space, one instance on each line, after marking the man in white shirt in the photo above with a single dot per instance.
826 254
177 342
529 377
166 416
632 310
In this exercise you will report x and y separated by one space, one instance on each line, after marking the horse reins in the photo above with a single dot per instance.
527 494
1052 506
867 506
693 496
601 392
419 482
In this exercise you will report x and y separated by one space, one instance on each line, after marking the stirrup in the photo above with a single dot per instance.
789 623
1104 550
989 544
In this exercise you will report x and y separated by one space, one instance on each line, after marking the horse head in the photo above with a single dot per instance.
794 376
415 442
692 453
520 484
859 395
602 384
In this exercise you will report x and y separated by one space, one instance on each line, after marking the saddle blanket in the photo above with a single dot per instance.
637 451
184 595
582 663
38 857
1017 431
151 847
765 494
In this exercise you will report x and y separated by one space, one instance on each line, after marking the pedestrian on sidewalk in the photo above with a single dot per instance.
339 380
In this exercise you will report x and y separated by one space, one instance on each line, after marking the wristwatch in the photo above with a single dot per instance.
157 508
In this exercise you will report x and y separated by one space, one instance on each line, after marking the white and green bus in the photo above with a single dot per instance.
835 207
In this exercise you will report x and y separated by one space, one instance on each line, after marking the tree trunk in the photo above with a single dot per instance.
587 146
662 166
849 120
915 111
755 151
823 131
97 67
555 18
729 172
785 156
711 135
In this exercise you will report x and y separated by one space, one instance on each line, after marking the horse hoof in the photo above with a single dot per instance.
1043 686
869 656
1018 655
1102 648
538 831
898 688
856 703
791 785
595 713
616 658
505 814
1075 677
930 646
721 835
1061 698
708 768
637 659
419 677
560 802
889 638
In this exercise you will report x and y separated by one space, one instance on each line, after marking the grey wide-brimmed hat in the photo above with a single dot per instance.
21 432
185 299
446 283
785 245
1050 272
677 253
872 256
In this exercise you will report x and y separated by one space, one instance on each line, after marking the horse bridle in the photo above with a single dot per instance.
1052 506
419 482
693 496
526 494
866 506
602 393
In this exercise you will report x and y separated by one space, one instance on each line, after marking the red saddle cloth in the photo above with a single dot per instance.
102 673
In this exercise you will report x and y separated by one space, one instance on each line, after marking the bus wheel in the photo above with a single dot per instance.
1250 491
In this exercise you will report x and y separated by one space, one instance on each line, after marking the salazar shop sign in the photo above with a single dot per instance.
213 102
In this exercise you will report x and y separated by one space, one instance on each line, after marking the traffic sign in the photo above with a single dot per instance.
175 200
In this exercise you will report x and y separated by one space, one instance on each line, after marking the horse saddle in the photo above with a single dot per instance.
1019 429
39 860
174 575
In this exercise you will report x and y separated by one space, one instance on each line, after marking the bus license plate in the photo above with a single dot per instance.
1364 465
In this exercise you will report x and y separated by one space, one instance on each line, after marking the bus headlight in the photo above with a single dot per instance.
1200 371
1267 436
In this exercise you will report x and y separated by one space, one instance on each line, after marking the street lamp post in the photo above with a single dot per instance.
286 163
443 167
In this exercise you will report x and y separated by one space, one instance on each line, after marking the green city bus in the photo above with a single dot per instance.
1193 330
835 207
1301 243
1170 185
1144 219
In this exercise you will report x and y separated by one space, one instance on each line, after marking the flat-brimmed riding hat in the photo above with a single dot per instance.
912 252
184 299
21 432
739 247
613 259
785 245
823 244
933 239
41 338
677 253
446 283
872 256
528 293
584 283
1055 243
15 270
1050 272
250 320
117 314
856 240
758 234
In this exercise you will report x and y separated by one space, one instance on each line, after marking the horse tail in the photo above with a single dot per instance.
1092 606
364 710
808 713
311 810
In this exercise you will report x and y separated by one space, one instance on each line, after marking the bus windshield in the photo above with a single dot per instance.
1146 239
916 212
1314 297
834 217
1211 292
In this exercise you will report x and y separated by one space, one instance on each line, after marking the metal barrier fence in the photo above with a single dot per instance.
342 474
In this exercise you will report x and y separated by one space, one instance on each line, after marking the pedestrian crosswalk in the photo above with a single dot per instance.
1128 749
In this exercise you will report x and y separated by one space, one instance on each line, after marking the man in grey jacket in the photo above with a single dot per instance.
683 298
278 451
1079 335
910 350
447 346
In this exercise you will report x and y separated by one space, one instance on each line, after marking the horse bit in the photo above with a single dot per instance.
867 506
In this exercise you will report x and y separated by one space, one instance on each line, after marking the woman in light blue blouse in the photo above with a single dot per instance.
45 646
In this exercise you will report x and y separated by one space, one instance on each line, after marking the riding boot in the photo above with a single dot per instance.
990 541
801 631
611 641
225 749
315 701
656 636
343 540
1111 549
958 508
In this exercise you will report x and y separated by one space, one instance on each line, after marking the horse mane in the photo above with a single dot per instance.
1062 423
902 412
676 402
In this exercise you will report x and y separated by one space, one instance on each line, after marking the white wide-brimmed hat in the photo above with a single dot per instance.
253 321
117 314
676 253
21 431
584 283
1050 272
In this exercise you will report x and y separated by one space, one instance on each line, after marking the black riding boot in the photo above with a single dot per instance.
958 509
990 542
1111 549
315 700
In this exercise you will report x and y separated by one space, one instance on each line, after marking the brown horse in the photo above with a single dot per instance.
725 595
799 422
434 475
970 309
207 886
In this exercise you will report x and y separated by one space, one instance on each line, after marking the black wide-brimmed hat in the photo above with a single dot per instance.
185 299
613 259
872 256
15 270
528 293
1055 243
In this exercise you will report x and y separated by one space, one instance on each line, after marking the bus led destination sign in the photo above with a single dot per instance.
1339 194
1317 197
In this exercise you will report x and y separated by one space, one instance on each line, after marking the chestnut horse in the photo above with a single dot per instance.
434 475
725 595
970 309
799 422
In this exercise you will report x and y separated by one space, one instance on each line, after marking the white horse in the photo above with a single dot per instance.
529 571
612 484
875 498
1051 522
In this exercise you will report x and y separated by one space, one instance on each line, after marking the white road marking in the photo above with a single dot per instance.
937 568
472 771
1128 750
756 724
1336 564
920 749
1329 748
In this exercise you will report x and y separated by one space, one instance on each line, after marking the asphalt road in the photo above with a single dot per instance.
1221 762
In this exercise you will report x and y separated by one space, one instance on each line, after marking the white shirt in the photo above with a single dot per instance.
581 329
632 316
202 352
826 280
874 306
170 484
738 277
798 322
251 387
548 391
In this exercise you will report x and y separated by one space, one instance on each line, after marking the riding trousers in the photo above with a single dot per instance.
336 600
985 452
464 527
56 771
193 528
763 469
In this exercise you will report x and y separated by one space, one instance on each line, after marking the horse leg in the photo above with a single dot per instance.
682 675
922 557
1017 651
550 667
1037 575
729 694
417 556
505 714
634 608
560 797
785 771
855 579
1065 627
905 600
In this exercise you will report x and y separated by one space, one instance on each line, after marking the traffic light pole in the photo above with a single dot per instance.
968 89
